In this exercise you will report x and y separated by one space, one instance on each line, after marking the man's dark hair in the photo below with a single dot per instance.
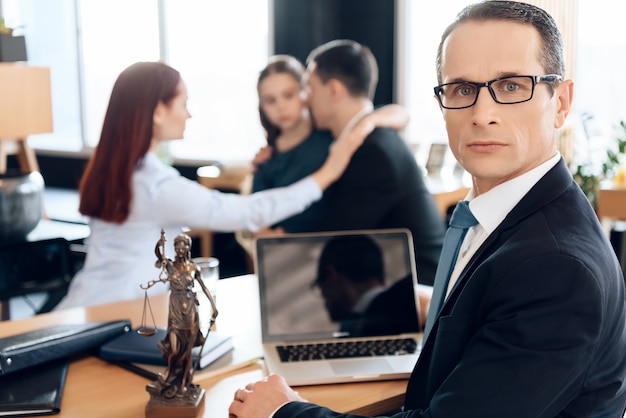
357 257
351 63
551 55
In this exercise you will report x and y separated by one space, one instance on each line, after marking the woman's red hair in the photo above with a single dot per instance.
105 188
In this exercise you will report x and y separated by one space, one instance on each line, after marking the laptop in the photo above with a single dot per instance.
338 307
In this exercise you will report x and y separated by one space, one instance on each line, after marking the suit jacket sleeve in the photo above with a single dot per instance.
364 192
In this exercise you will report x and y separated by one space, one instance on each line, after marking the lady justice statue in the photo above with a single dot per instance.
174 392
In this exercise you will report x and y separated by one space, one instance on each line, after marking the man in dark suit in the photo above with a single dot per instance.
352 279
382 186
534 322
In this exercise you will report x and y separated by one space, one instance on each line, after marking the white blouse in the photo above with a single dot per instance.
120 257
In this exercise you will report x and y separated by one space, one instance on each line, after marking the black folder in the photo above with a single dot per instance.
135 348
32 348
34 391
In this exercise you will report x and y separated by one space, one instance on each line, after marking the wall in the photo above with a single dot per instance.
302 25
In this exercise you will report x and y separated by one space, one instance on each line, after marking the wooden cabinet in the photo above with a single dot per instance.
612 204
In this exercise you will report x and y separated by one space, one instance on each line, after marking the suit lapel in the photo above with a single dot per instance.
553 184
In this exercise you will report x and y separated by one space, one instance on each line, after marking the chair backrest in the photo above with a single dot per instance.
31 267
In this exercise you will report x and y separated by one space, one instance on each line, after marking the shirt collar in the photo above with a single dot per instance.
491 208
366 299
151 159
356 118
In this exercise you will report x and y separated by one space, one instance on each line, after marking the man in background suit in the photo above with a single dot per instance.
534 323
383 186
352 280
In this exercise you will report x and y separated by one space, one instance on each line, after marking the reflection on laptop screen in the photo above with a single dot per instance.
347 284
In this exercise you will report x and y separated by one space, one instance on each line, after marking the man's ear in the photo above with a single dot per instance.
331 274
337 89
565 96
438 102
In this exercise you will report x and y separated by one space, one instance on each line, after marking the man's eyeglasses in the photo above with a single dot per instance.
504 90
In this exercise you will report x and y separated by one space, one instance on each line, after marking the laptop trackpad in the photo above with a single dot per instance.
359 367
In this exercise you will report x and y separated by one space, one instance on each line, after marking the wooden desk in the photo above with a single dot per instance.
95 388
48 228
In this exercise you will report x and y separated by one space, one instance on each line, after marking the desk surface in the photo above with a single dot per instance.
47 229
95 388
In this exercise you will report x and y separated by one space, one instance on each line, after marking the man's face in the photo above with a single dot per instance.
497 142
332 286
320 101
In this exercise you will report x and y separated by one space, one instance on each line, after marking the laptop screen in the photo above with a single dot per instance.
336 285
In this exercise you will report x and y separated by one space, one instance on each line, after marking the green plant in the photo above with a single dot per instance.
4 30
589 178
589 183
616 158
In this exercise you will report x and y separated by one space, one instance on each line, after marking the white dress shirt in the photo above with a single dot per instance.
491 208
120 257
367 109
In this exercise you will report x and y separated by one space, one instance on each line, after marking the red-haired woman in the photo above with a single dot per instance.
130 195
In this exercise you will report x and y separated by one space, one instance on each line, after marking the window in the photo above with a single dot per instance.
600 84
218 50
422 31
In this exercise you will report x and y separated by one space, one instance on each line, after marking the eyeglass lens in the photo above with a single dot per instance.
506 90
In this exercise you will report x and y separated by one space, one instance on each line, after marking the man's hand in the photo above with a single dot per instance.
261 399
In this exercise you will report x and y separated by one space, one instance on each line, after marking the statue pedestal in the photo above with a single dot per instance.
188 406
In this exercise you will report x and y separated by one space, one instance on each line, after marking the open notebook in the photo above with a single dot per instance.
311 332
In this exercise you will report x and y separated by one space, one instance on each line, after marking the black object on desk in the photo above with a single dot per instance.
44 262
33 348
31 267
135 348
35 391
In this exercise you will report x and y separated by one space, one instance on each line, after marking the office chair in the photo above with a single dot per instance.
34 267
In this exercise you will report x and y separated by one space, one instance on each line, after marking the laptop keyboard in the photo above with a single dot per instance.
346 349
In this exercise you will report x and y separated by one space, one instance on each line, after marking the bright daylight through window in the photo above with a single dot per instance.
219 52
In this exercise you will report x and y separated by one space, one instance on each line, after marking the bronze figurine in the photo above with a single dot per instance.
174 388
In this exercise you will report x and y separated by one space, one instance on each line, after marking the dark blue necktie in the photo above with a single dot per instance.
461 220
